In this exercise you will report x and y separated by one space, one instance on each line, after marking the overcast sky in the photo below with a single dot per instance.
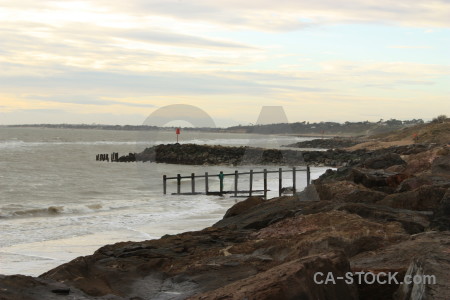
116 62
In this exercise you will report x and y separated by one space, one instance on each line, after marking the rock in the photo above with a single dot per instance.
243 206
345 191
380 180
412 221
441 216
415 182
326 143
441 165
291 280
383 161
426 197
421 162
433 269
265 213
398 258
332 230
22 287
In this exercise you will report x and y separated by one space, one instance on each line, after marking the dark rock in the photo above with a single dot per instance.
399 257
441 165
412 221
433 268
263 214
426 197
383 161
415 182
291 280
377 179
20 287
243 206
345 191
326 143
441 216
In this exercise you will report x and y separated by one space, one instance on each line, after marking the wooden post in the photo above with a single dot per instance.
193 182
165 184
236 176
308 175
265 184
294 180
206 183
178 183
280 181
221 181
251 184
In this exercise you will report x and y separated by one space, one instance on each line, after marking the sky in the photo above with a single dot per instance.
117 62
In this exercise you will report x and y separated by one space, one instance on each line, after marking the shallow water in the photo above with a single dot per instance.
57 202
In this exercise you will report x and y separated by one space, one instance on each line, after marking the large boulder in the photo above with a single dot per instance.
441 165
426 197
243 206
383 161
346 191
399 257
429 276
441 216
20 287
380 180
320 232
261 215
412 221
291 281
415 182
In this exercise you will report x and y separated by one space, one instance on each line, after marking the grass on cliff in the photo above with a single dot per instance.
427 133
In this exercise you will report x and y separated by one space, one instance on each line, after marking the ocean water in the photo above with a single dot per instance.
57 202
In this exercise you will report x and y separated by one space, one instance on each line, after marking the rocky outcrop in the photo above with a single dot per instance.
426 197
441 216
425 253
333 143
291 281
19 287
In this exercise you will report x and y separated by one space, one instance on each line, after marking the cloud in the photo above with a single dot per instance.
87 100
293 14
410 47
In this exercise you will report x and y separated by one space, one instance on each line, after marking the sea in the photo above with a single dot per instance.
58 203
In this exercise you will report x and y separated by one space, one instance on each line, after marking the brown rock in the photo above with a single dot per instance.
292 280
426 197
412 221
441 216
20 287
433 269
416 182
441 165
398 258
267 212
346 191
243 206
379 180
383 161
342 231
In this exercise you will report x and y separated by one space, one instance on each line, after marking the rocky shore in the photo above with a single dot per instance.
386 212
193 154
333 143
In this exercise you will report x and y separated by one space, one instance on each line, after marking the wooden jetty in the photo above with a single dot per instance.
236 174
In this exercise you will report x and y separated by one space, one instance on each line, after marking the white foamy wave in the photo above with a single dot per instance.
24 212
